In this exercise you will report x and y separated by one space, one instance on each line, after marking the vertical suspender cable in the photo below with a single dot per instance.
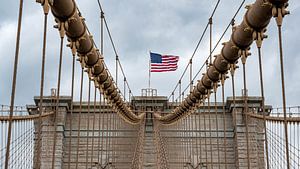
100 104
71 112
106 130
94 120
109 133
12 98
196 136
280 13
101 131
209 126
88 125
217 124
205 137
39 124
245 96
193 138
79 119
189 138
209 92
57 96
200 136
183 141
232 71
224 120
258 43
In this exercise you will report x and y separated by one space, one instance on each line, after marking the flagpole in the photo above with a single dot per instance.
149 70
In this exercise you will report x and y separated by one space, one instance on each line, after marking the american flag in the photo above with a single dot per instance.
163 63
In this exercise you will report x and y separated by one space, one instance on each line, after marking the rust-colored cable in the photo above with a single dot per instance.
217 124
101 125
79 119
94 121
262 97
280 15
88 125
39 123
57 100
71 112
14 83
224 121
245 110
232 71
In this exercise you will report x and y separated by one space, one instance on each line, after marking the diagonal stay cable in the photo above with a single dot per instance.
197 46
112 42
218 42
97 47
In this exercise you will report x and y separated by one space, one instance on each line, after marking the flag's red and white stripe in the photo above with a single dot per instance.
169 63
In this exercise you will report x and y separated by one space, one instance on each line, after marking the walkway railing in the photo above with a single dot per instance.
22 140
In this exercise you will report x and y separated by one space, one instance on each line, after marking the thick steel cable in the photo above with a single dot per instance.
232 71
112 42
79 118
109 133
57 100
94 120
112 129
115 137
263 99
123 72
224 120
279 24
217 124
71 112
106 132
192 137
39 123
179 111
93 61
197 46
189 138
200 136
245 109
209 92
101 125
196 135
205 138
88 126
100 97
14 83
218 42
183 141
209 128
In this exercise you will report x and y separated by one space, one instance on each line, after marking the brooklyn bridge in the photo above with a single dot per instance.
233 102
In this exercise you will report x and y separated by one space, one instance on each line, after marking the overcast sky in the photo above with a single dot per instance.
138 26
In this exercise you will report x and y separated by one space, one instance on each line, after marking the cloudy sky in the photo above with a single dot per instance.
138 26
